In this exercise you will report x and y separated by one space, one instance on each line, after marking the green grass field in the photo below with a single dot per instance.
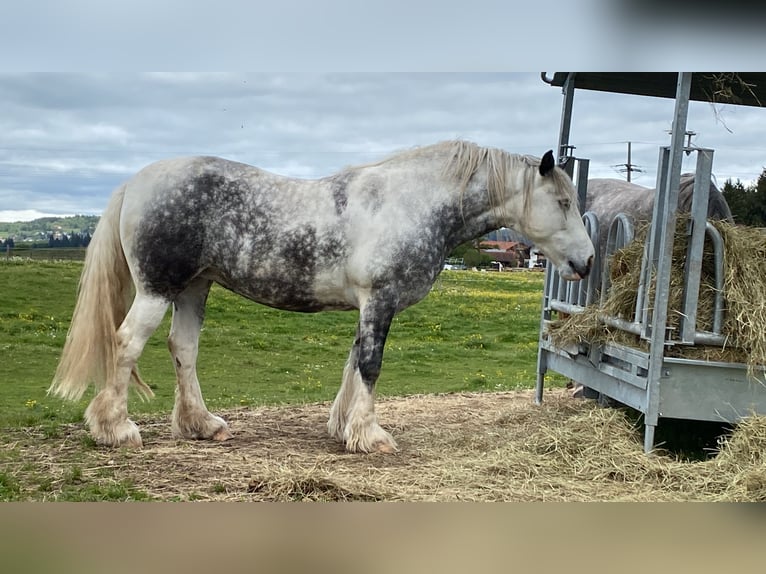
475 331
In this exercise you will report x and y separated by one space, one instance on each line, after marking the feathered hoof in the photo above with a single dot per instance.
109 424
369 439
222 434
335 424
124 434
385 448
202 426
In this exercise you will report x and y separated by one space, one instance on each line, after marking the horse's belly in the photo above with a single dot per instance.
292 290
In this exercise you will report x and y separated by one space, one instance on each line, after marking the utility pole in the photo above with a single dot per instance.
689 135
628 167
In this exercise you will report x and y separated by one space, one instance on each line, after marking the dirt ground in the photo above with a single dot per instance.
465 446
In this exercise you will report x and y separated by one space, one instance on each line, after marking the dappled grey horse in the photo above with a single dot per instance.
372 237
608 197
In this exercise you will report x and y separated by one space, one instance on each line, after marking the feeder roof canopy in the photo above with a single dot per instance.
739 88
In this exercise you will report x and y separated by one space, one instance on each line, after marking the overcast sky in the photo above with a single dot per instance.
66 140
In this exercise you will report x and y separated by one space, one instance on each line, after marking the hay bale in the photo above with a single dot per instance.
744 294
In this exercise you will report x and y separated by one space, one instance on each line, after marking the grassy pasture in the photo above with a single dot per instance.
474 332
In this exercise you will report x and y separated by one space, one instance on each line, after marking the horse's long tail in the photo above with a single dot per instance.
104 292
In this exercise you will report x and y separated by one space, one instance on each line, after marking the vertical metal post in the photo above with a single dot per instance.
566 117
652 249
583 165
551 279
545 315
664 213
696 242
581 185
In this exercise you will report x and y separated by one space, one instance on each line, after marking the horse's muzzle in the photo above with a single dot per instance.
582 269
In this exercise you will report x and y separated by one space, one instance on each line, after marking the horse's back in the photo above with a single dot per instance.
267 237
607 197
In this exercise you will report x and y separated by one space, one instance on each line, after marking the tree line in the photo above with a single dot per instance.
58 240
69 240
747 202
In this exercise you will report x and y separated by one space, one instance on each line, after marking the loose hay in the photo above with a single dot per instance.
744 294
474 447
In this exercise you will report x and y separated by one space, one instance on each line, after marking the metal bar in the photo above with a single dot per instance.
564 307
629 354
695 246
714 339
583 165
553 284
545 316
651 252
700 337
665 234
568 90
593 282
641 311
649 437
619 235
581 370
564 287
622 324
715 238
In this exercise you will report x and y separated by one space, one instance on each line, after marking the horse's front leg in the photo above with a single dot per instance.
352 417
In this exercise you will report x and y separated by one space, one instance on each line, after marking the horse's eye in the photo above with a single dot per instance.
564 204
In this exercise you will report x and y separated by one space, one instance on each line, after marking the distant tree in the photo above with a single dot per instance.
736 196
472 258
747 203
471 255
759 201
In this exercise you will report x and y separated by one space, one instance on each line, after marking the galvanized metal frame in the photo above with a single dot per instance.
657 385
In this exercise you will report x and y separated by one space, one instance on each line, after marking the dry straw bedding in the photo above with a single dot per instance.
472 447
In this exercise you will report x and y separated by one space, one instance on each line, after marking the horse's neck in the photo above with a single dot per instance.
477 216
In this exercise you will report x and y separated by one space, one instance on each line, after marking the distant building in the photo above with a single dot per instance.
508 253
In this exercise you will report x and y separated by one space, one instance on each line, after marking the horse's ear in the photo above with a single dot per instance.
547 163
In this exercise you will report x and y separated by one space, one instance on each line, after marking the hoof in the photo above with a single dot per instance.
200 425
369 439
222 434
108 422
132 443
124 435
381 447
385 448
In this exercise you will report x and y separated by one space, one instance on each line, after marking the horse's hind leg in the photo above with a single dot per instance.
191 419
352 417
107 413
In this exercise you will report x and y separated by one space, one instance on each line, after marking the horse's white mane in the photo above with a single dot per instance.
464 158
467 157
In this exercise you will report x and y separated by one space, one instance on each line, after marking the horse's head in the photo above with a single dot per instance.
552 221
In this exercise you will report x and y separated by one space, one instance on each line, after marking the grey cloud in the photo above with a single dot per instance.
69 139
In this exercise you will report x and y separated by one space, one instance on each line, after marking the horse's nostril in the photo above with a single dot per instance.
582 270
